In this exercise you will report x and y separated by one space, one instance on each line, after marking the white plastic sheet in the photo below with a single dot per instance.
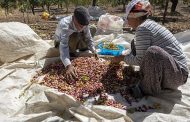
22 100
18 40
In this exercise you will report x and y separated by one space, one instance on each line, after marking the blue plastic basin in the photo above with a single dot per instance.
104 51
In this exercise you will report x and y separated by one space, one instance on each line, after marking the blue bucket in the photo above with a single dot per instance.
104 51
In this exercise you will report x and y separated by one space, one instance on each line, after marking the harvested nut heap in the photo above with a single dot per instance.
94 78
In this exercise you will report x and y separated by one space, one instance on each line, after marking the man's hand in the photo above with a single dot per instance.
71 73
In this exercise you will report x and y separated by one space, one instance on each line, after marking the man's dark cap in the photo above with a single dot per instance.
82 15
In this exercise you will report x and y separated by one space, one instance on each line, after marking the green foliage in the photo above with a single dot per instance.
60 2
81 2
158 2
8 5
104 2
23 6
186 1
114 3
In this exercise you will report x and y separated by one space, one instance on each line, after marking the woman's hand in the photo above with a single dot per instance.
117 59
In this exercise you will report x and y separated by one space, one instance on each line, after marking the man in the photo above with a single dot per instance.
73 33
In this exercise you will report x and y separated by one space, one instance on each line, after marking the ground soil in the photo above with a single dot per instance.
177 22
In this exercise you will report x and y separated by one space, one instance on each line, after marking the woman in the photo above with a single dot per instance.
156 50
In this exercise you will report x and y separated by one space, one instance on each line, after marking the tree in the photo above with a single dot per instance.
33 3
119 2
174 5
165 12
24 6
124 2
67 5
94 2
7 5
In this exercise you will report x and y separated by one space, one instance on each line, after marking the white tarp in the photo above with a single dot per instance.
18 40
22 101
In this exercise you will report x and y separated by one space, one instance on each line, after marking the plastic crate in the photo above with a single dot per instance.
104 51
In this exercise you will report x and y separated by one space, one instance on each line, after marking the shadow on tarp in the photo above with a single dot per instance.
167 100
52 52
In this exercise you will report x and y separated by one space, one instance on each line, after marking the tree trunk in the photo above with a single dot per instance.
23 16
17 2
32 7
124 2
67 6
6 8
165 12
174 5
48 7
43 5
67 9
27 8
28 17
94 2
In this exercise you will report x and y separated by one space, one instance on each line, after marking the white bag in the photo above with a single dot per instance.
110 22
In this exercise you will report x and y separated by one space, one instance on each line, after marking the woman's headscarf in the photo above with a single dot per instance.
138 8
